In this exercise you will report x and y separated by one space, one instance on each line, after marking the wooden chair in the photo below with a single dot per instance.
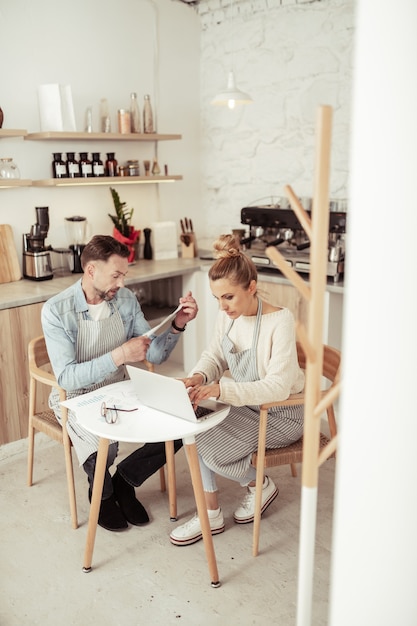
45 421
40 372
292 454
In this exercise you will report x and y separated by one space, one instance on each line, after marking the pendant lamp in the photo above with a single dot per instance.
231 96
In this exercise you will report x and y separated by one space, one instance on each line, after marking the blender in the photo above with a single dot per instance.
76 227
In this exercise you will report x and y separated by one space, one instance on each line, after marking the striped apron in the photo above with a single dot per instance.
94 339
227 448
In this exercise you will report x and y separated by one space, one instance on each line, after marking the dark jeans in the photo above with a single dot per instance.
135 468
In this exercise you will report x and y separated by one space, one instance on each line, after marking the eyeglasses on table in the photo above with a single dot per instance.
110 413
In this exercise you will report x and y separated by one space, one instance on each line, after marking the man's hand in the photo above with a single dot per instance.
188 311
131 351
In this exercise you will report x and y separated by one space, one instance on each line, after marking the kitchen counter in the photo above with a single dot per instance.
23 292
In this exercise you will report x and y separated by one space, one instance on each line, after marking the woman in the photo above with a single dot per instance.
255 341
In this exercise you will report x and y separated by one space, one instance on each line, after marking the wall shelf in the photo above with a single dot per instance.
12 132
104 180
74 136
9 183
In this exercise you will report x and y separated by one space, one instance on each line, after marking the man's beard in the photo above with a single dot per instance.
105 295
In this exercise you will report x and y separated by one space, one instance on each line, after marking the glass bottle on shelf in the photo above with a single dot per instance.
73 167
111 165
156 170
147 115
97 165
105 121
88 120
59 169
86 169
135 126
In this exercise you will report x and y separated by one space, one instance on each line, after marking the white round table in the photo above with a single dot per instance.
144 425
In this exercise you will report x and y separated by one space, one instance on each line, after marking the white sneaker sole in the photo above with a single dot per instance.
250 518
187 541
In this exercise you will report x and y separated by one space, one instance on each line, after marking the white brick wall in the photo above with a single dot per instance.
291 56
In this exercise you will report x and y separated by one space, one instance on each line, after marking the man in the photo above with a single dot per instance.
91 330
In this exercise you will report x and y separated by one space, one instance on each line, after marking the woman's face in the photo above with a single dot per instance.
234 300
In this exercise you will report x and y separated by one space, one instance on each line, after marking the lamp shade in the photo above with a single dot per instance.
231 95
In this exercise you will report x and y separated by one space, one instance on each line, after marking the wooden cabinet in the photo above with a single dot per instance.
287 296
17 327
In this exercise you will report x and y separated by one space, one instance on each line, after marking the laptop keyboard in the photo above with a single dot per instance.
202 411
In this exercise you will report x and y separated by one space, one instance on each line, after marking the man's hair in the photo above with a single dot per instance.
101 247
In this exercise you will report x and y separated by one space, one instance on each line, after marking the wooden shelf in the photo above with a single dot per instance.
9 183
104 180
74 136
12 132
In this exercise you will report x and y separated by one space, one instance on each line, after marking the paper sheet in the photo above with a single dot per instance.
170 317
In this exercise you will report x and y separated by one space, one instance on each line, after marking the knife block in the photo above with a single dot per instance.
187 252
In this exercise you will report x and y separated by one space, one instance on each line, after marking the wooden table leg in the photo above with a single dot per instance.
103 448
192 458
172 485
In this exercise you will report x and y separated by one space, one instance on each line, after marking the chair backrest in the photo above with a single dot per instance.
331 361
39 364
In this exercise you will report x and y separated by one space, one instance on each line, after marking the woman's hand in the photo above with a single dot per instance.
203 392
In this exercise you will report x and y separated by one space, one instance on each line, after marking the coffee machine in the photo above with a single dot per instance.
271 225
76 227
36 255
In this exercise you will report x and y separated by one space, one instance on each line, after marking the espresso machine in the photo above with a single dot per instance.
270 225
36 255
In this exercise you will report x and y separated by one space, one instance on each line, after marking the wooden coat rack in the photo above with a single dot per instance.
316 228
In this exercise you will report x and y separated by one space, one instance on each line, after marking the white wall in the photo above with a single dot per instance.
374 569
107 49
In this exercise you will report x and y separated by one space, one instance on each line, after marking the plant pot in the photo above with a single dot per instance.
128 241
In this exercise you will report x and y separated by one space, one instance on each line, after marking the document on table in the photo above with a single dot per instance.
170 317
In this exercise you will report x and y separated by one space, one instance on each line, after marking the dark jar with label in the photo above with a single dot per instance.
111 165
86 168
59 169
73 167
98 167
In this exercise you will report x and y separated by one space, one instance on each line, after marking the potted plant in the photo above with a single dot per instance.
123 230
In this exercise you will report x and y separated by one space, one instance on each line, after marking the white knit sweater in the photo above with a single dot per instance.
277 363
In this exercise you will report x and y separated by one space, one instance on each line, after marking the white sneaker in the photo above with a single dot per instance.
246 511
190 532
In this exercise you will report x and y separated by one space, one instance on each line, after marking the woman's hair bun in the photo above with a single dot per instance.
226 246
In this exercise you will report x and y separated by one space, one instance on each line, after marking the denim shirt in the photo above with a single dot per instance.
60 328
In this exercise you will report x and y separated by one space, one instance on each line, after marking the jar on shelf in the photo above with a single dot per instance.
59 169
73 167
8 168
135 126
133 167
123 170
147 115
86 168
123 120
111 165
97 165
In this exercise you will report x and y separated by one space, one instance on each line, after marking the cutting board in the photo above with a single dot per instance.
9 261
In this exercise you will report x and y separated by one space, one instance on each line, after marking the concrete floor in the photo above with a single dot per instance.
138 577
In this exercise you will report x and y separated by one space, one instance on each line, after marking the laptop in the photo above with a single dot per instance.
169 395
